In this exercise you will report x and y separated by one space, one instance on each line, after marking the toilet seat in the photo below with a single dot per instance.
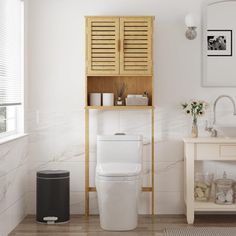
116 169
117 179
129 171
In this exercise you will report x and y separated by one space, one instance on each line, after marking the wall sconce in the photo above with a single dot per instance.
190 22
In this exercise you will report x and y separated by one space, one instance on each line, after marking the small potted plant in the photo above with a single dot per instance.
195 108
120 90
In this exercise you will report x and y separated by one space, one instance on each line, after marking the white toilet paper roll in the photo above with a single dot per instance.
108 99
95 99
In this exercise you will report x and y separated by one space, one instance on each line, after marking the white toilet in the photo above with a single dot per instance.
118 180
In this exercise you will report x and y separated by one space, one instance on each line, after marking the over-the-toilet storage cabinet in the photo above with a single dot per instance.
119 45
118 49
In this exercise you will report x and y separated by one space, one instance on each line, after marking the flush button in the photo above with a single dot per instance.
120 133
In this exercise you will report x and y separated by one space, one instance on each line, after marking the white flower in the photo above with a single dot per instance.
195 107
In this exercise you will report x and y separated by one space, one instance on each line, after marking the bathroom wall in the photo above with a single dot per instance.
14 171
56 54
13 182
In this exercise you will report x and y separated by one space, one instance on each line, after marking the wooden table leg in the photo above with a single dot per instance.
189 182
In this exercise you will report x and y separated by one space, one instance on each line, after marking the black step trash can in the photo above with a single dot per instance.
53 196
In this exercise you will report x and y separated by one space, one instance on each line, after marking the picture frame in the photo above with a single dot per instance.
219 43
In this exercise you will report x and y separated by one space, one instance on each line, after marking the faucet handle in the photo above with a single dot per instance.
210 129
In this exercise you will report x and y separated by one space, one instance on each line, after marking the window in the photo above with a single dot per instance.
11 66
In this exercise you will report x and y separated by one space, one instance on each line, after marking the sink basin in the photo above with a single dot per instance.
226 131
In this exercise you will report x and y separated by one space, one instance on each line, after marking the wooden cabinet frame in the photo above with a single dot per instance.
103 80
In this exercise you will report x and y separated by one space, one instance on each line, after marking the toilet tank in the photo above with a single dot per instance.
119 148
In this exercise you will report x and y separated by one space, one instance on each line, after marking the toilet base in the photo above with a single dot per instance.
118 204
116 223
115 228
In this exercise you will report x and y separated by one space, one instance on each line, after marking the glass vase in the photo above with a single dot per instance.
194 133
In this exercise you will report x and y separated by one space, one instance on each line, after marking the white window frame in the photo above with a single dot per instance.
19 109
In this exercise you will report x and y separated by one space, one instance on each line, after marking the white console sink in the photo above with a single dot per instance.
206 149
226 131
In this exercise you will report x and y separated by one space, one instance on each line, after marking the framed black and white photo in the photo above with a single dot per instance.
219 42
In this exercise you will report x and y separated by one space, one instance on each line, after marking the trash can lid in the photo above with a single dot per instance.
53 173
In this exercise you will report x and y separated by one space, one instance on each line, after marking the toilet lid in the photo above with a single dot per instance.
118 169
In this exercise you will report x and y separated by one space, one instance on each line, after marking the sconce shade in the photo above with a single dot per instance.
190 21
191 33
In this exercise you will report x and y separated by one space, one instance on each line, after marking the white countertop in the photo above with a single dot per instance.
210 140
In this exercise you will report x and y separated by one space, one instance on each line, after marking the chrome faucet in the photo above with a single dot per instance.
211 129
214 106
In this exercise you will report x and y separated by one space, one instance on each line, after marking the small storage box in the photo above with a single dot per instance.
53 196
136 101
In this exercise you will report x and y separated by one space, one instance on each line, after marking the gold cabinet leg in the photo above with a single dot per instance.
153 164
86 162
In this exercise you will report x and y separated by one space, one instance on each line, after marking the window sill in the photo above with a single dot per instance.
12 138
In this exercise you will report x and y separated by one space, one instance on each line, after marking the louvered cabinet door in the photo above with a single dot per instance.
102 45
136 45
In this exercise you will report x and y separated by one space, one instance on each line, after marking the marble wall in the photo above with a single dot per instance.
56 71
13 183
57 142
